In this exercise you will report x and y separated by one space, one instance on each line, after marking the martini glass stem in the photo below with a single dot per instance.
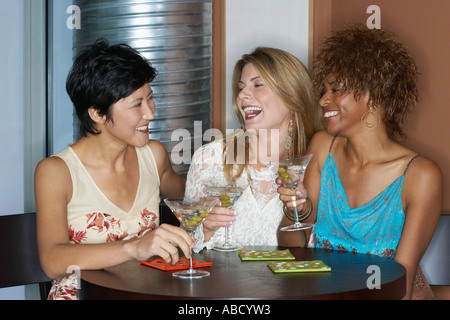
295 214
226 236
296 222
191 267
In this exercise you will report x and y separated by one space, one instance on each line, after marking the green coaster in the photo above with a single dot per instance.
264 255
298 266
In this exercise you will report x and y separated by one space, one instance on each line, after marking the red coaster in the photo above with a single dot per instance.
182 264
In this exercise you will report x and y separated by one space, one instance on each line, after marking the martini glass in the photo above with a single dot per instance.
290 172
190 214
228 196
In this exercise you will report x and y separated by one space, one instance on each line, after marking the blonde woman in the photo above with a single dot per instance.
274 98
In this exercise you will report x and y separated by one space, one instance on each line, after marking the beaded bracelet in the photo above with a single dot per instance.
302 217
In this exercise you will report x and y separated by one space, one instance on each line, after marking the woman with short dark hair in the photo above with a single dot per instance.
98 200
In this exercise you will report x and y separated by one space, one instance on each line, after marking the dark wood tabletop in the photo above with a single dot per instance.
232 278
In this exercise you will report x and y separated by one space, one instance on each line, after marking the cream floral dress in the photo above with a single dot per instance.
94 219
258 210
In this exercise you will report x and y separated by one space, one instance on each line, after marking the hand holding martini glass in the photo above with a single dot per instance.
227 196
190 214
290 171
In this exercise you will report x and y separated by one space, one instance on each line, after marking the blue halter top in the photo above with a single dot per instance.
373 228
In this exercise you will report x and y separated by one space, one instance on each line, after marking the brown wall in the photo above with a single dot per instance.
218 85
424 27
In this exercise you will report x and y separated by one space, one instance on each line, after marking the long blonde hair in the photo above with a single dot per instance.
289 79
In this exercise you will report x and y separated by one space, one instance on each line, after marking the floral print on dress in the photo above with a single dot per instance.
101 222
147 223
63 289
76 237
103 228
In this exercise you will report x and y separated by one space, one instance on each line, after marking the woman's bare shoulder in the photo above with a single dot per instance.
321 139
158 149
52 166
424 169
320 144
52 179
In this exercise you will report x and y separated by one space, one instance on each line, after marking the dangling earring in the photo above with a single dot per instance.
371 119
289 136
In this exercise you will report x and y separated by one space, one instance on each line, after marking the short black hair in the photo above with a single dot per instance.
102 75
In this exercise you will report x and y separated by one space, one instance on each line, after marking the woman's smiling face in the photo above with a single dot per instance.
260 107
131 117
341 109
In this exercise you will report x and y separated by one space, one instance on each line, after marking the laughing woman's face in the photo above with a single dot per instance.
260 107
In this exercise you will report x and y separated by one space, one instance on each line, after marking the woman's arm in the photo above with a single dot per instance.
53 190
319 147
207 168
422 198
172 185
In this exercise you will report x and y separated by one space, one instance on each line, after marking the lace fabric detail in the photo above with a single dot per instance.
207 168
258 210
206 163
263 186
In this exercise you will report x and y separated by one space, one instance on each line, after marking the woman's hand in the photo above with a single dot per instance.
218 217
163 242
293 197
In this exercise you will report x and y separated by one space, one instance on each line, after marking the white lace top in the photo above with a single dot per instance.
258 210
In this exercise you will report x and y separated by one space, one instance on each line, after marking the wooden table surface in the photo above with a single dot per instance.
232 278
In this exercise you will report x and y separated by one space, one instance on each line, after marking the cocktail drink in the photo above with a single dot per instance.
227 196
290 171
190 214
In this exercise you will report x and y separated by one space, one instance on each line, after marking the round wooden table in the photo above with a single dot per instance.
232 278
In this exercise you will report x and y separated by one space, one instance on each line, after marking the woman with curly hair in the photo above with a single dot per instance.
369 193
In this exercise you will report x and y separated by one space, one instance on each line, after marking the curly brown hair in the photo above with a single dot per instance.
370 60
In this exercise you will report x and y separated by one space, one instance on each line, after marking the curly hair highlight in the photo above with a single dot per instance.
370 60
